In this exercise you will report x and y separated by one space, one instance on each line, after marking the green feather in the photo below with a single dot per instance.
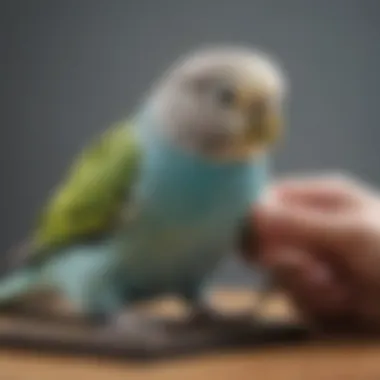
89 200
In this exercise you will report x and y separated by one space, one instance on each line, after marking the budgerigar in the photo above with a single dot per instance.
155 203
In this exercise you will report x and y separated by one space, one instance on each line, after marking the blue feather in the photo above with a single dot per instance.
188 216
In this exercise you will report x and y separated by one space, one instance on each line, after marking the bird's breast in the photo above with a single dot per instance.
186 198
188 210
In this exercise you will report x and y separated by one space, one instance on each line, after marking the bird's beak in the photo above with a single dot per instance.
264 121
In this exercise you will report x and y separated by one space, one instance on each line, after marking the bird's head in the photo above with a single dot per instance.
223 103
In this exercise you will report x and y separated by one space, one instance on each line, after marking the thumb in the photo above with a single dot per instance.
295 224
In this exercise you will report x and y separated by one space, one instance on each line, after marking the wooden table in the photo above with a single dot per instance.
346 361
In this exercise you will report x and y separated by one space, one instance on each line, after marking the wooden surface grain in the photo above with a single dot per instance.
323 361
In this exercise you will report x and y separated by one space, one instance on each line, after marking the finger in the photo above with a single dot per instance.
326 191
331 179
311 284
300 226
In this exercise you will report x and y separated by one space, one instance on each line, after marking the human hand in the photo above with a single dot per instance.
320 236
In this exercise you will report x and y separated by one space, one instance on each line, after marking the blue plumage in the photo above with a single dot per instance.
190 209
185 210
188 214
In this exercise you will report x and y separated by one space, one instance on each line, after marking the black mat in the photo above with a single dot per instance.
55 337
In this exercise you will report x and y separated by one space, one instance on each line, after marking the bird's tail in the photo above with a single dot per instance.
16 284
19 275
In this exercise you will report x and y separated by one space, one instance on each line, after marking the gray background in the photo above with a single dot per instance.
70 67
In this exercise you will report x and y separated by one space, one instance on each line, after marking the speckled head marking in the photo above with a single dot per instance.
223 102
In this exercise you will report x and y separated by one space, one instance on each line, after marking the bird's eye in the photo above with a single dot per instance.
226 96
